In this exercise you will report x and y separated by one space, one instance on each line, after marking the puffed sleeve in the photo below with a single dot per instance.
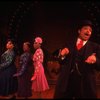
7 59
24 63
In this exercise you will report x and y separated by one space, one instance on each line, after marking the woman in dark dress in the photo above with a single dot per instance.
8 83
24 73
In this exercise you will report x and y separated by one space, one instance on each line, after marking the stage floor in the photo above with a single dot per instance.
49 93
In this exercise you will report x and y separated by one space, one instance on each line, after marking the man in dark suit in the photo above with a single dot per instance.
79 60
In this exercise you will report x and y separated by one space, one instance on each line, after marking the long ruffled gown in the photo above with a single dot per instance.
39 81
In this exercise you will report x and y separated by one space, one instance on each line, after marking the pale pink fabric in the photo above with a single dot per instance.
40 82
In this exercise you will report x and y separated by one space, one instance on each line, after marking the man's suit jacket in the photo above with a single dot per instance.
88 70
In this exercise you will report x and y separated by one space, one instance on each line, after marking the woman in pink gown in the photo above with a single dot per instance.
39 81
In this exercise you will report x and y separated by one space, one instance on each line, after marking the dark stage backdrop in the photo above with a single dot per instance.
54 21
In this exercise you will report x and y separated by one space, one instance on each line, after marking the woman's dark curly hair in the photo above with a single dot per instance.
13 41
